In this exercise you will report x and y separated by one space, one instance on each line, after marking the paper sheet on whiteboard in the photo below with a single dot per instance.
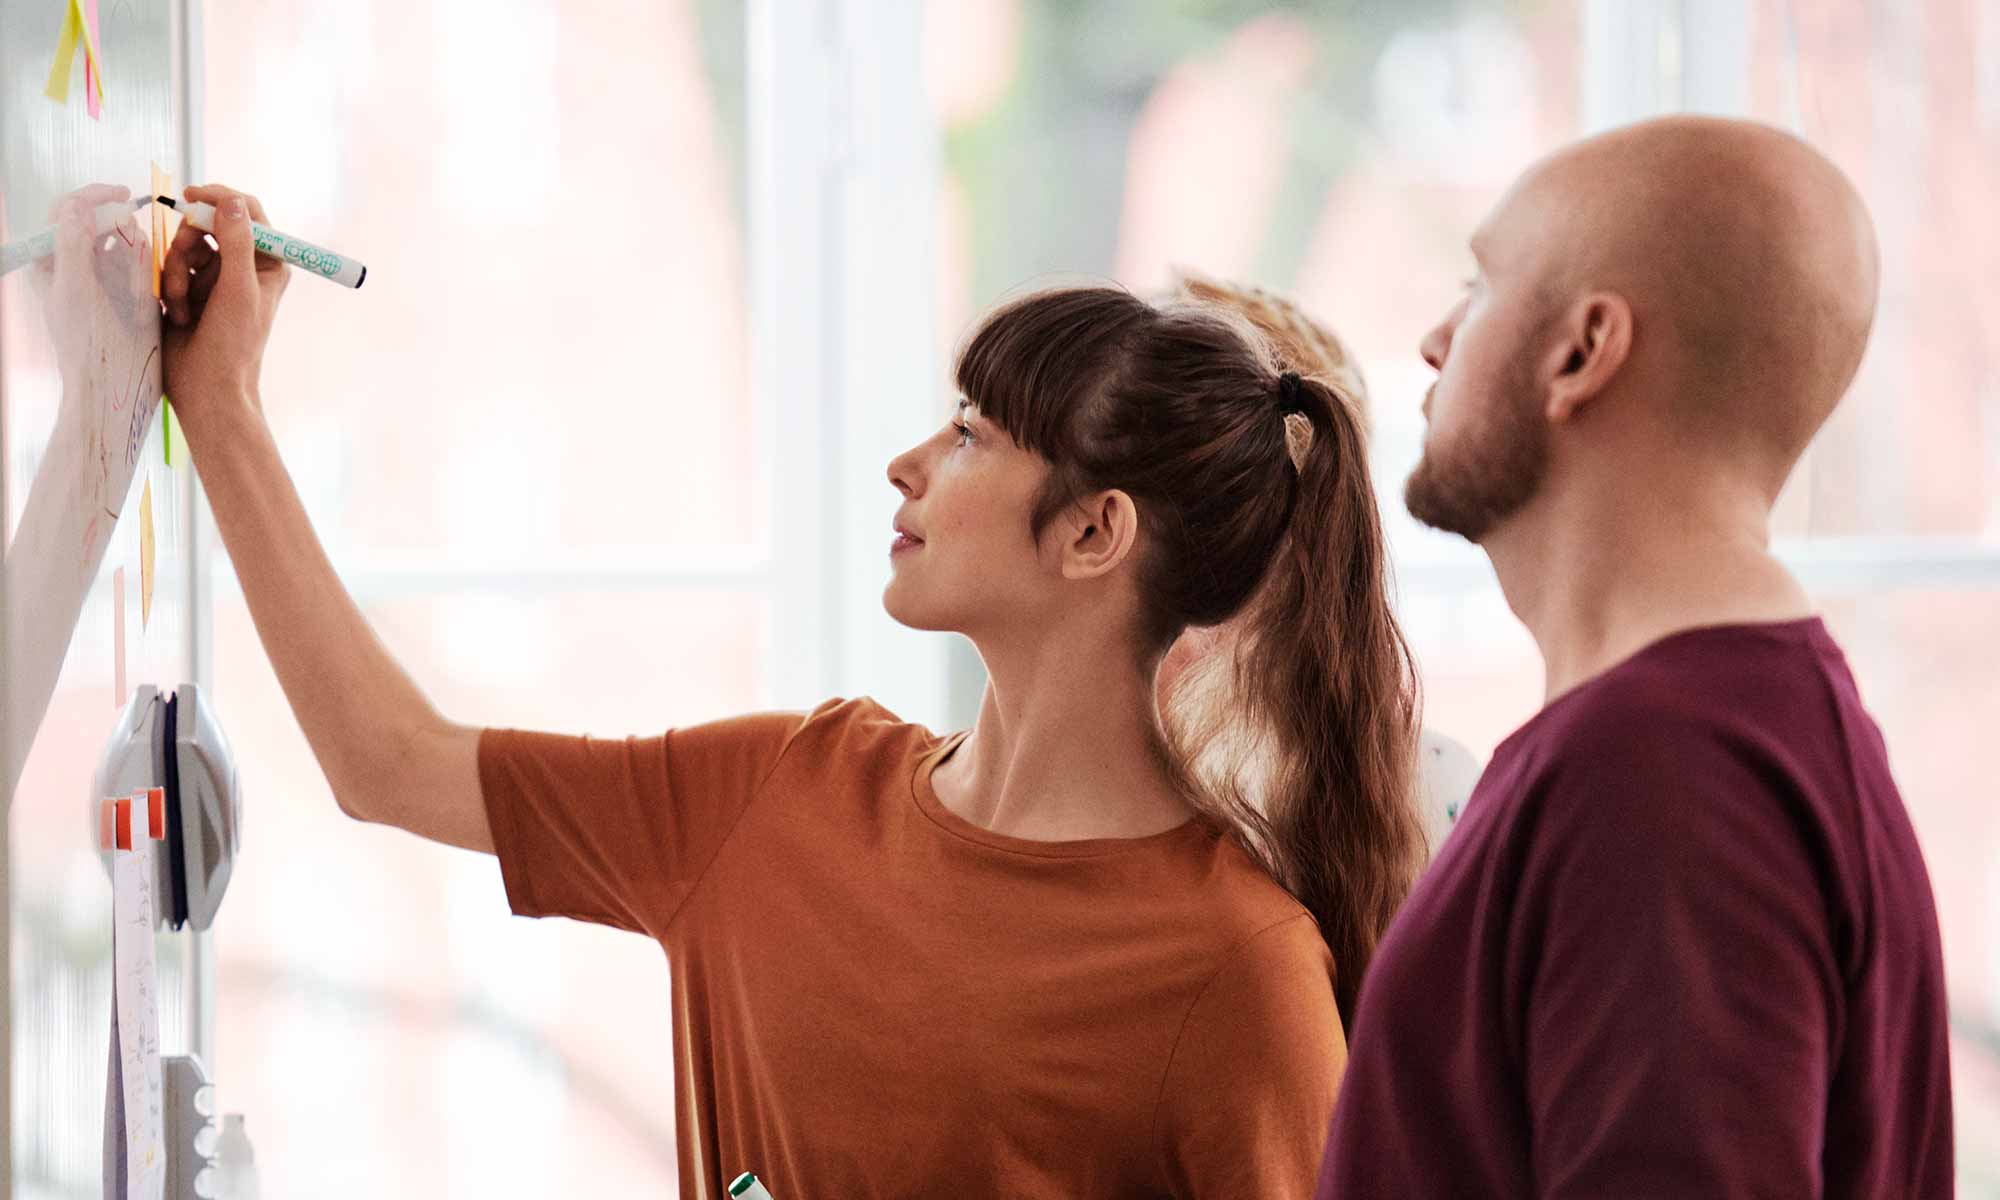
136 1004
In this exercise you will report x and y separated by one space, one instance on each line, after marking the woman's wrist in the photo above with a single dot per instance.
220 418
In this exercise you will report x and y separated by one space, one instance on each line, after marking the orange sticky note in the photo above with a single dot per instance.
165 222
163 185
107 823
156 813
146 552
124 824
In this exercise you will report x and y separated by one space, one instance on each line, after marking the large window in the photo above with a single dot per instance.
656 289
531 448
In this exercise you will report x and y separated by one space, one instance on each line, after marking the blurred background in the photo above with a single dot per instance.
655 291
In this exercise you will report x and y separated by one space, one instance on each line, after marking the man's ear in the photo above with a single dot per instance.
1594 338
1097 533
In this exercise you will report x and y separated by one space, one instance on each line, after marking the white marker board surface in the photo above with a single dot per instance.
79 431
79 334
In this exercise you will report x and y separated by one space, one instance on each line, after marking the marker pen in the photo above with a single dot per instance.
746 1187
314 260
41 245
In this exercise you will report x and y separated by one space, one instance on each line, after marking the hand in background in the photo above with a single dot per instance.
94 289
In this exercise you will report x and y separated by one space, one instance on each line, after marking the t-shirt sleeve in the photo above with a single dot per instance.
618 831
1671 978
1250 1087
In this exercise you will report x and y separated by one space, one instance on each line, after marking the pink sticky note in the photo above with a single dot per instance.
93 83
118 638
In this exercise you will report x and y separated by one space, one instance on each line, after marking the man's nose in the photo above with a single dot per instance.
1437 343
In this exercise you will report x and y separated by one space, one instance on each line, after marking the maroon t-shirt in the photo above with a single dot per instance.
1681 943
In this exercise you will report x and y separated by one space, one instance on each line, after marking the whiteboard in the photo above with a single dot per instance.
79 339
79 439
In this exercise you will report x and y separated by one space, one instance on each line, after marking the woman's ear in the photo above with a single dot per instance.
1097 533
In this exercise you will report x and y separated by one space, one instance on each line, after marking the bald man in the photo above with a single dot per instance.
1682 942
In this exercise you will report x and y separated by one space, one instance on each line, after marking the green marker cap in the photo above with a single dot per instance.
742 1183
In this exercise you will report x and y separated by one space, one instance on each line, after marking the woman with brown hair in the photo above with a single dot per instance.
1041 957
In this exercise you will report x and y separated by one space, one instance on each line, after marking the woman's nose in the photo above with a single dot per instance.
904 474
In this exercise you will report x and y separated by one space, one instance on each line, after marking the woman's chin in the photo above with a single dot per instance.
897 607
906 612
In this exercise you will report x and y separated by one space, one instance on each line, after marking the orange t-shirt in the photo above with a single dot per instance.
875 997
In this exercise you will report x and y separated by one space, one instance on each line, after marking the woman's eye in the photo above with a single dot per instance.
964 433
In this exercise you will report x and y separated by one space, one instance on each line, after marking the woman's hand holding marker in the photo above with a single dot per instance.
296 252
220 302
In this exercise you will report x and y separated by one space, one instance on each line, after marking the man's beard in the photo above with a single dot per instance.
1492 469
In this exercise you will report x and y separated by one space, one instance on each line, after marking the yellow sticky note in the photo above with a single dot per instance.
72 28
75 30
146 552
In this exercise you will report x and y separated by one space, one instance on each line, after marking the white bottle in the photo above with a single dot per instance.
235 1162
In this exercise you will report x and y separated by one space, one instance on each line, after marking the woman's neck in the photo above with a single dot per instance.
1067 747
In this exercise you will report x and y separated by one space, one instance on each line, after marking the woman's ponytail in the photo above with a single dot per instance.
1310 748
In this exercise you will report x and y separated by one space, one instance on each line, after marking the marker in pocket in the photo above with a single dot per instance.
746 1187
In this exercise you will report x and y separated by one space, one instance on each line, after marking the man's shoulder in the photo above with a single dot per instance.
1660 756
1702 700
1631 723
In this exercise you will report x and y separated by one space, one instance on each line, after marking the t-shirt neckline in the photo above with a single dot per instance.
1810 630
926 799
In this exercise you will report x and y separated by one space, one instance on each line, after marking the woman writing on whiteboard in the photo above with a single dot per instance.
1042 957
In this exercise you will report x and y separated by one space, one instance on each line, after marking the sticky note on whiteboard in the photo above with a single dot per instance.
79 29
93 70
163 185
136 1012
146 552
57 88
